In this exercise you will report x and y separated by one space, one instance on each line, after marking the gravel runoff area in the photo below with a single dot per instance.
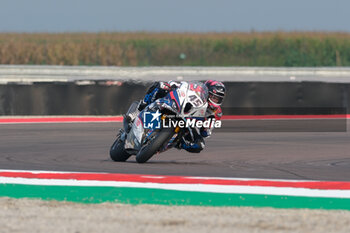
27 215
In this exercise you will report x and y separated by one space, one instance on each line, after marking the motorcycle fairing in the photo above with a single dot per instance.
192 93
134 138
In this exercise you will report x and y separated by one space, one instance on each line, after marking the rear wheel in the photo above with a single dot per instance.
153 146
117 151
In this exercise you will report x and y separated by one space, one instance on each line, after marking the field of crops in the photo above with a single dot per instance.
177 49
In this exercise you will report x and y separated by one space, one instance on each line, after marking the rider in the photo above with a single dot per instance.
216 95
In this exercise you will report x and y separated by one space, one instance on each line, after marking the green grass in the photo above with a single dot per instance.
305 49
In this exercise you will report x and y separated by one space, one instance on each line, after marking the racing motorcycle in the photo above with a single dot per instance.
164 129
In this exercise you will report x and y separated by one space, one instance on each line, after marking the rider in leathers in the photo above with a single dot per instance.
216 95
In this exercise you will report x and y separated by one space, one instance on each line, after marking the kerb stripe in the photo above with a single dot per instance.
324 185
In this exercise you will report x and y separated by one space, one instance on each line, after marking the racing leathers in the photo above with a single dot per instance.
191 144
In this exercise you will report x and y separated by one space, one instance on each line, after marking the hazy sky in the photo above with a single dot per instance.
173 15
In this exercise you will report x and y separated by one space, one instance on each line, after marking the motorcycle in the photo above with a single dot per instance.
183 104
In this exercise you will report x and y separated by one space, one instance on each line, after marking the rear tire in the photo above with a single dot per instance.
149 150
117 151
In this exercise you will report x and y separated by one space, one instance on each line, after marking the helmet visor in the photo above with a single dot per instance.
216 99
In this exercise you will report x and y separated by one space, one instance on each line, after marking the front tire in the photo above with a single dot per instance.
154 145
117 151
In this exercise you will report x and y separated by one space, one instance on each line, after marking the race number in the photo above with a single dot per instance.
195 101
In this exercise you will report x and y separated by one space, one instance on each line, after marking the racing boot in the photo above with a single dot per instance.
142 105
193 147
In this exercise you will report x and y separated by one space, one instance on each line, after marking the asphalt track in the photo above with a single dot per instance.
84 147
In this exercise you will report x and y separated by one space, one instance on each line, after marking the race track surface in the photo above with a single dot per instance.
85 147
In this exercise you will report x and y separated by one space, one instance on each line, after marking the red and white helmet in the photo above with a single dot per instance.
216 93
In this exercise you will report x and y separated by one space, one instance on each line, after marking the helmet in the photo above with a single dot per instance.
216 93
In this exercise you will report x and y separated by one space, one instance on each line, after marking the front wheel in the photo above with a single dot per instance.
117 151
147 151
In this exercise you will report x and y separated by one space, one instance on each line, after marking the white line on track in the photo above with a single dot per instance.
158 176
